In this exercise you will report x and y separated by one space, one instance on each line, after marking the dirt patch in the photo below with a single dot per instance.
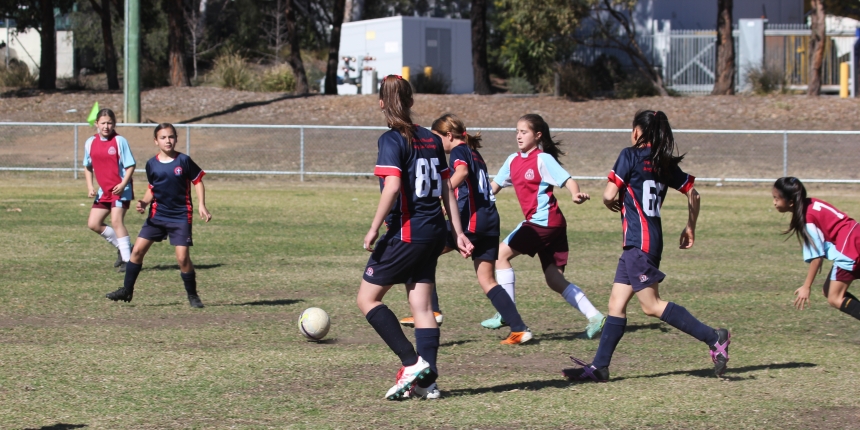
829 418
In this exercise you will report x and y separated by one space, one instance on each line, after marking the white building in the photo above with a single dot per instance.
26 47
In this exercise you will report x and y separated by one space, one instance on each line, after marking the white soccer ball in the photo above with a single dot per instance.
314 323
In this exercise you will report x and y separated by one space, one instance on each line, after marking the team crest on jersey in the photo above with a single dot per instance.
530 174
111 151
177 171
369 271
643 278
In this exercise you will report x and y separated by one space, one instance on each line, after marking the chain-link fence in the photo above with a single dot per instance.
306 150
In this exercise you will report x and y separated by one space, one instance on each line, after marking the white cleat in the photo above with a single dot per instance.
407 377
431 392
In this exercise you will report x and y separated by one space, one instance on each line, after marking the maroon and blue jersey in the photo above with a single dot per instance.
833 235
475 198
642 195
417 212
534 175
171 183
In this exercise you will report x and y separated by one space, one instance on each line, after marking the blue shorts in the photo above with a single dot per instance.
396 262
156 230
638 269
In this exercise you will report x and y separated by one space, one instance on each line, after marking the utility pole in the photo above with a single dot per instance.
131 74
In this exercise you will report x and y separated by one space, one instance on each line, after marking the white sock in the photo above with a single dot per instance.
110 236
577 299
506 279
124 248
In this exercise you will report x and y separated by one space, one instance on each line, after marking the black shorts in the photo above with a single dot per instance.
486 247
396 262
156 230
638 269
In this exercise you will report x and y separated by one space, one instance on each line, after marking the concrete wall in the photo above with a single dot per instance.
27 48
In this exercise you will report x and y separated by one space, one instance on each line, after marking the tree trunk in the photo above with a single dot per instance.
816 47
48 59
110 49
176 43
725 70
295 58
347 11
479 47
334 48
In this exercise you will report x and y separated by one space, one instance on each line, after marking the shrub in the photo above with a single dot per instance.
17 75
231 71
575 81
633 87
606 72
278 78
434 84
519 85
767 79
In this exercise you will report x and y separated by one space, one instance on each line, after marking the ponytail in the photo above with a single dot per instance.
793 191
396 95
546 143
450 123
656 132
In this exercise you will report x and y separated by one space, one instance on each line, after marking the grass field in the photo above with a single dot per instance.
69 358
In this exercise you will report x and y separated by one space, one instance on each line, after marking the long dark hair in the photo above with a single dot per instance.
547 144
793 191
108 113
396 95
657 133
162 126
450 123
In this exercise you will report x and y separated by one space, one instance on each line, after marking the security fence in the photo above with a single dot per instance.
315 150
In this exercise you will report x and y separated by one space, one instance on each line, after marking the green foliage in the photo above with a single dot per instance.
519 85
435 84
767 79
17 75
634 87
278 78
575 81
232 71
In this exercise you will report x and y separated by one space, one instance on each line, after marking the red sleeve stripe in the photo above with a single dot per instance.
446 173
458 163
615 179
687 185
199 178
383 171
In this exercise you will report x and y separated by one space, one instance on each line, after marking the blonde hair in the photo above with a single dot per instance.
450 123
396 95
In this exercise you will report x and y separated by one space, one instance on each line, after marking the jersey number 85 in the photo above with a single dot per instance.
427 178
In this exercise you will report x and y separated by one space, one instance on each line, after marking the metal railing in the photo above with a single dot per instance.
317 150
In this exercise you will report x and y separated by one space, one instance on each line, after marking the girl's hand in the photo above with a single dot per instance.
687 238
370 239
91 192
802 299
204 214
117 190
464 245
614 205
141 206
580 198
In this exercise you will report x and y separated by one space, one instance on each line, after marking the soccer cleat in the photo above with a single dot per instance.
194 301
407 377
720 351
595 325
586 372
429 393
121 294
118 259
410 321
518 337
121 267
494 323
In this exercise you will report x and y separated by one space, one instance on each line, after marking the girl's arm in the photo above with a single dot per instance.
578 197
386 201
117 190
495 187
611 197
463 244
201 201
88 175
689 233
802 293
145 201
460 174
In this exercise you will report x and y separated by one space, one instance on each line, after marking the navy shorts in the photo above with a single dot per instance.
486 247
156 230
638 269
549 243
396 262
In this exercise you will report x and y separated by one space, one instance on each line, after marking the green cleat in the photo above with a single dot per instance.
595 325
494 323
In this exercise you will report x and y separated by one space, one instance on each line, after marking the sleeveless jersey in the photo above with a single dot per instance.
533 175
171 185
475 198
417 212
834 234
642 196
109 158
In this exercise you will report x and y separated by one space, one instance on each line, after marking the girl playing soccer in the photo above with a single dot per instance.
413 175
637 188
479 218
108 156
534 171
171 176
823 232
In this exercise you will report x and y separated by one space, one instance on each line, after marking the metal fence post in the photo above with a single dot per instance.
784 153
187 140
302 154
75 155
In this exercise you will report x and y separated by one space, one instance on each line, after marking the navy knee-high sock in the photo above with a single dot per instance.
386 325
190 281
506 308
681 319
131 272
850 305
434 302
613 331
427 344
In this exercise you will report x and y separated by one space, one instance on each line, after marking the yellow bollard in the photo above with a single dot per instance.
428 72
405 72
844 71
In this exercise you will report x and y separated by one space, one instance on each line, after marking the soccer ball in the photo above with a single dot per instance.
314 323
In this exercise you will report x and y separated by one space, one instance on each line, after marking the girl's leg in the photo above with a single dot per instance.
382 320
426 329
117 217
141 246
575 297
188 275
838 296
507 280
498 296
96 223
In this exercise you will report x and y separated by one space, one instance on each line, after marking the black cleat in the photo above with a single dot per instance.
586 372
194 301
121 267
118 259
720 351
121 294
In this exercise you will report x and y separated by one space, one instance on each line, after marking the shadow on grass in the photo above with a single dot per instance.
581 334
59 426
176 266
531 386
280 302
246 105
730 372
456 342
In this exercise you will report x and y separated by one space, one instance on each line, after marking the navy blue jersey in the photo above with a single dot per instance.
475 198
417 212
642 196
171 185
